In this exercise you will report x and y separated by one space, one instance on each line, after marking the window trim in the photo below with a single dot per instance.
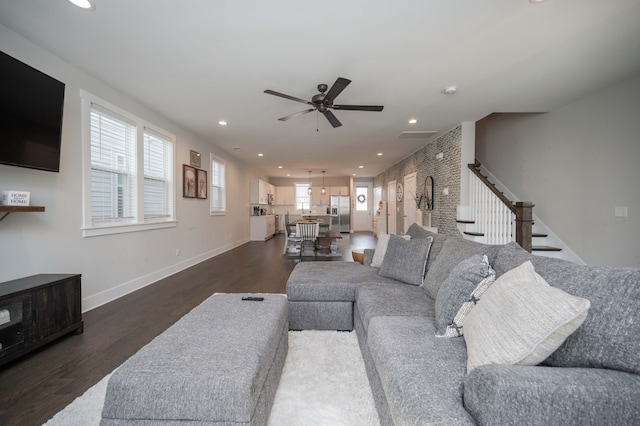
139 223
215 211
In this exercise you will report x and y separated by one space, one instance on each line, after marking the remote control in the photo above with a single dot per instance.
253 298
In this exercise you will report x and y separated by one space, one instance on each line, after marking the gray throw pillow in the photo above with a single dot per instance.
454 251
609 334
460 292
521 320
406 260
416 231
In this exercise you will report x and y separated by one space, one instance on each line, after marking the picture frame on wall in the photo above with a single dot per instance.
189 181
195 159
202 184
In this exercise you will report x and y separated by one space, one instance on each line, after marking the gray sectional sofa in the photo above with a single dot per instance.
584 367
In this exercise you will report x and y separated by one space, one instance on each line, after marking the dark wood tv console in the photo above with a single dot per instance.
36 310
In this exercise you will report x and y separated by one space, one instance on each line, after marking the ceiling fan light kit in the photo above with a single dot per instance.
323 102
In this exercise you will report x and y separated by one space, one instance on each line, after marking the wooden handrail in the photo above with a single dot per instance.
523 210
473 167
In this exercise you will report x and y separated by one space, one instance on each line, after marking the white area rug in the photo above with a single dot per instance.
323 383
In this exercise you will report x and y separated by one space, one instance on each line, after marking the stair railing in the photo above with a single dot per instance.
495 216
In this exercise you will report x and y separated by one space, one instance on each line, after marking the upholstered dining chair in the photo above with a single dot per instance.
308 232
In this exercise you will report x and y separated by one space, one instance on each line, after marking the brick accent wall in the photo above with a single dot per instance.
445 172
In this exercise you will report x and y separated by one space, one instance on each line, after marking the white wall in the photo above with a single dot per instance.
52 242
576 164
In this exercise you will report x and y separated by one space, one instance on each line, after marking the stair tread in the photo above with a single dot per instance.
465 221
474 234
545 248
539 235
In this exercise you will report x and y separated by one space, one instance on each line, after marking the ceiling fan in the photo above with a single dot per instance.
324 102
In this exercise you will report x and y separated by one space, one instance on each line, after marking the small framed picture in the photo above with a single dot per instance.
189 181
202 183
196 159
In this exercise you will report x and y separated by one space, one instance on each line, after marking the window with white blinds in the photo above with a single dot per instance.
129 172
218 186
113 167
303 199
158 176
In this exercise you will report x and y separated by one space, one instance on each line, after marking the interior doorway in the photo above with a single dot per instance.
410 206
391 208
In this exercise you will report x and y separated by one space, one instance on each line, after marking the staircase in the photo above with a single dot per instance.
492 218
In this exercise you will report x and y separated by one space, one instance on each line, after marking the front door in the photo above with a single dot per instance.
363 214
410 206
391 208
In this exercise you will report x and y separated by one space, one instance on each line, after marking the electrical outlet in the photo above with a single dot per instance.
620 211
178 252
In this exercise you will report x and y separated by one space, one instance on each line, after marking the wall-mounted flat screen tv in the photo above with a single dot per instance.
31 105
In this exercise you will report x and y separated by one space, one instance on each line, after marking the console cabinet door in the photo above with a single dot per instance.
56 308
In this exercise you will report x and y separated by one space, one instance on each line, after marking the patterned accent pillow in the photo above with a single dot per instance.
460 292
406 260
381 249
521 320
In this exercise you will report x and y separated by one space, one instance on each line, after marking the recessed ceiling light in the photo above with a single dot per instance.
354 174
222 123
379 154
83 4
260 155
413 121
450 90
279 167
535 1
361 167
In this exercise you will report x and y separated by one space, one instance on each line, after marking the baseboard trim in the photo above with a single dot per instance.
106 296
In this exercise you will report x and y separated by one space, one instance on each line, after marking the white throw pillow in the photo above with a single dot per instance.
521 320
381 249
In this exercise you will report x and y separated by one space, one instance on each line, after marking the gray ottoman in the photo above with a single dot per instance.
321 294
219 364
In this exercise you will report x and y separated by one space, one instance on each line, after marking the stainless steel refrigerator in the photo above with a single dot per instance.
340 214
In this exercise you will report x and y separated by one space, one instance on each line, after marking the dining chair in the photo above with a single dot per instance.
292 241
308 232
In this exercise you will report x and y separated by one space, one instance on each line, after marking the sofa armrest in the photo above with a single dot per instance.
524 395
368 256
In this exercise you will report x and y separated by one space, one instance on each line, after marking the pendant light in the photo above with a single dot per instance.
309 190
323 191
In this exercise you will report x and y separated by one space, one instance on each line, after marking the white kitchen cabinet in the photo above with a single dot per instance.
262 227
259 193
339 190
285 195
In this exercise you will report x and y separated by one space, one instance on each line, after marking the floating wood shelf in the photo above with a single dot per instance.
13 209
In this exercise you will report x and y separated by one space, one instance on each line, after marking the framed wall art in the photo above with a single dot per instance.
195 159
189 181
202 183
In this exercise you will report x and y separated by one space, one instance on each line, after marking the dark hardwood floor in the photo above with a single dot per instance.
34 388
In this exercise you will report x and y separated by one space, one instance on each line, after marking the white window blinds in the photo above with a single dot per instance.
303 199
113 166
158 175
218 186
128 171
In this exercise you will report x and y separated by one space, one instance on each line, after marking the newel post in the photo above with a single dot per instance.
524 224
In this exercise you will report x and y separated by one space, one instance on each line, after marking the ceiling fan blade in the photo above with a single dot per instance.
336 89
296 114
332 119
359 107
282 95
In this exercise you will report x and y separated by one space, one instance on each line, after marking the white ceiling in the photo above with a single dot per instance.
198 62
